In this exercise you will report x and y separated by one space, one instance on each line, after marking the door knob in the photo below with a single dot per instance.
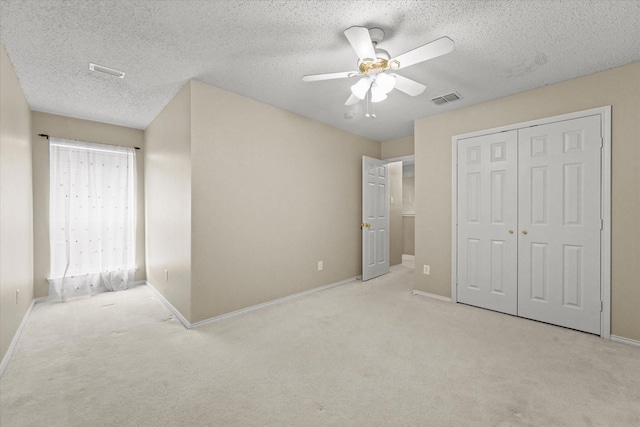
524 231
510 231
365 224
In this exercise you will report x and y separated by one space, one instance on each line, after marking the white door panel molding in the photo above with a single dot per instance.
375 218
557 220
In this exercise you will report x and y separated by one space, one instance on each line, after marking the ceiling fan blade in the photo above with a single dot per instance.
408 86
361 42
352 100
329 76
431 50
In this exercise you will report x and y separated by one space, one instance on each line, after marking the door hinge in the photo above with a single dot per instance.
601 224
601 306
601 142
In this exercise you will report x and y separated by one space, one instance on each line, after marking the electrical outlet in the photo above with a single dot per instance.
166 275
320 265
426 269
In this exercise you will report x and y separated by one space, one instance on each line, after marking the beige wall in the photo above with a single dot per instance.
397 148
273 193
408 195
395 213
168 201
83 130
620 88
409 235
16 201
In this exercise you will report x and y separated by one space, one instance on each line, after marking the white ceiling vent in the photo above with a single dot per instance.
450 97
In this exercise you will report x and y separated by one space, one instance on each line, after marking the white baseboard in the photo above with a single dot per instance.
434 296
243 310
272 302
625 340
166 302
18 334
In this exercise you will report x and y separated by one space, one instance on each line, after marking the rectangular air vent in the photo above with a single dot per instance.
450 97
106 70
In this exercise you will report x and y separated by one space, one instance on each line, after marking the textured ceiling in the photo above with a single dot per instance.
261 49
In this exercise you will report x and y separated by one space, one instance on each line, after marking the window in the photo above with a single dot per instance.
91 218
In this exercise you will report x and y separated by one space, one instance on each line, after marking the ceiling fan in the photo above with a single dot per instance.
374 64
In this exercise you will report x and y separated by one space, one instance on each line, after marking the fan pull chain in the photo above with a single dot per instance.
367 115
373 108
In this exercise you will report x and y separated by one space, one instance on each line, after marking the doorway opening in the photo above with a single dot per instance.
402 211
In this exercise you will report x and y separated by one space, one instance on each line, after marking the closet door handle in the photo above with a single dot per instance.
524 232
510 231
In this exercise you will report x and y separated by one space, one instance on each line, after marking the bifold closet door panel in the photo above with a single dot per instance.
559 223
487 180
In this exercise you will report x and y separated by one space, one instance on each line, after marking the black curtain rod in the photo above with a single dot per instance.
44 135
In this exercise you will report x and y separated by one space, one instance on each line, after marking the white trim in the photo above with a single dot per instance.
625 340
407 158
18 334
188 325
170 306
134 268
605 234
428 295
454 219
268 303
605 240
553 119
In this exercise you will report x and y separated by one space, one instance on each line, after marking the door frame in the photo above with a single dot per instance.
409 157
605 202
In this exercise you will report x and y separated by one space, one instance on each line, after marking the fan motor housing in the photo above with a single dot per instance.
370 66
377 65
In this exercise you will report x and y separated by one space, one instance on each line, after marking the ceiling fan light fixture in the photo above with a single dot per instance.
385 82
377 94
373 63
361 88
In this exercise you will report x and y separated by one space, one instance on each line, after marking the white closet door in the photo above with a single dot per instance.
559 223
487 221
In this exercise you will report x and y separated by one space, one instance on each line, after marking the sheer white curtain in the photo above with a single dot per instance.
91 218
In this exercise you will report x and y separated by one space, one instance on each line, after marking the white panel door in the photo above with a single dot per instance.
559 223
487 221
375 218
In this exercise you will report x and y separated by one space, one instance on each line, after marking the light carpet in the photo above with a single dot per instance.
362 354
